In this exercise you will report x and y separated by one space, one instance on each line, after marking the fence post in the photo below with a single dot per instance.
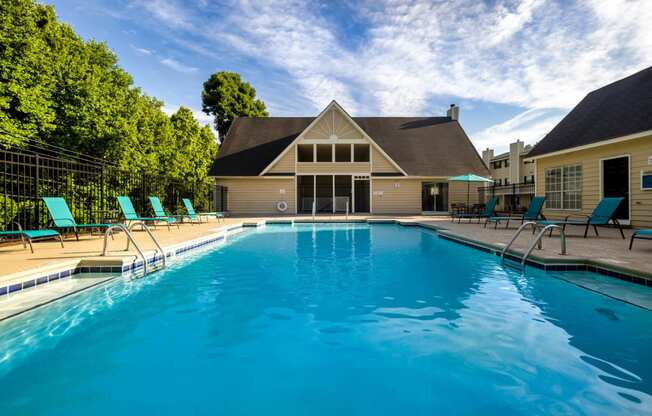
37 176
102 190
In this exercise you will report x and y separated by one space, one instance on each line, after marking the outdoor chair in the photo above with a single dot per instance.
641 235
159 211
604 212
533 213
63 219
31 235
192 214
129 213
488 211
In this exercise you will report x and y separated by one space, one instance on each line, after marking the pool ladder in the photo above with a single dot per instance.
537 241
130 239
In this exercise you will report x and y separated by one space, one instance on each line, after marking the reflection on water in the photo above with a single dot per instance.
350 319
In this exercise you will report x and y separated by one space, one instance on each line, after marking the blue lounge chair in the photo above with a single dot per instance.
129 213
604 212
31 235
159 212
63 219
489 210
192 214
533 213
641 235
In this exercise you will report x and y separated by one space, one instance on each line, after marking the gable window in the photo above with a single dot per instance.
361 152
564 187
342 152
305 153
324 153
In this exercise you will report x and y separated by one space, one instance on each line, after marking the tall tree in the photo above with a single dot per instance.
226 96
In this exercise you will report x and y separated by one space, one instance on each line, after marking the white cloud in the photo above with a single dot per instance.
142 51
178 66
535 54
528 126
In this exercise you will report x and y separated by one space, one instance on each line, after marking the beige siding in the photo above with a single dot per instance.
399 196
258 195
362 168
286 163
380 163
641 201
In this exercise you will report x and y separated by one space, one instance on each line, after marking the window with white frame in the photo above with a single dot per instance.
564 187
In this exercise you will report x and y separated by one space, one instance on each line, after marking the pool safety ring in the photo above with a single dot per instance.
282 206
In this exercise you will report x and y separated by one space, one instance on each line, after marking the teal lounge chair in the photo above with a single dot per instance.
603 213
641 235
191 211
489 209
62 217
159 212
533 213
31 235
130 214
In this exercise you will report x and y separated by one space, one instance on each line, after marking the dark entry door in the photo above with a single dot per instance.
361 188
615 182
427 196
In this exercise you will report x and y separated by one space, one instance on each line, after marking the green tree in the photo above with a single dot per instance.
226 96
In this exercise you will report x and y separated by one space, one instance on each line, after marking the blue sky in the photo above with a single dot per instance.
515 67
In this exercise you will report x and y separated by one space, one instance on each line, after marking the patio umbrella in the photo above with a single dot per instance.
468 178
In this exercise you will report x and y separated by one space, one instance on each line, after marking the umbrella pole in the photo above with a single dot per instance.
468 201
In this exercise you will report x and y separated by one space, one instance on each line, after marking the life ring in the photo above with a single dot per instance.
282 206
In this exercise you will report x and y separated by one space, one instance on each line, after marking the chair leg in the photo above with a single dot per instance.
586 230
631 241
76 233
29 241
595 228
61 241
619 228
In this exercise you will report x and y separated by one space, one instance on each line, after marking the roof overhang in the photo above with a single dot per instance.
633 136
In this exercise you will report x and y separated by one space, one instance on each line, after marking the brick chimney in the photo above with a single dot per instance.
487 155
453 112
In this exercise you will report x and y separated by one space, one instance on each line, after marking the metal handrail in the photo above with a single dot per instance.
516 234
538 240
131 239
149 232
314 209
347 209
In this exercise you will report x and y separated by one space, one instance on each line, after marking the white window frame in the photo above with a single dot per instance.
562 187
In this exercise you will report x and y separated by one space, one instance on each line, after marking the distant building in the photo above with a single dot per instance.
513 176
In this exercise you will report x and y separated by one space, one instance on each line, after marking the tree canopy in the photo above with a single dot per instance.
226 96
58 89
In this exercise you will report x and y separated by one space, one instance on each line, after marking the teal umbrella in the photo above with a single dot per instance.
468 178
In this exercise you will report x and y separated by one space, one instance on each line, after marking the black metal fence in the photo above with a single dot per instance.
89 188
512 191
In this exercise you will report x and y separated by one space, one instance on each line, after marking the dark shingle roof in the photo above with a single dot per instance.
421 146
618 109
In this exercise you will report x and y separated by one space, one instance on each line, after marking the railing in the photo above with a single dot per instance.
89 187
510 189
130 239
537 240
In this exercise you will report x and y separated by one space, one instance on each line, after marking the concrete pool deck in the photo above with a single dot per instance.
608 251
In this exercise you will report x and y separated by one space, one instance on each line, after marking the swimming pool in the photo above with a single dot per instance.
331 319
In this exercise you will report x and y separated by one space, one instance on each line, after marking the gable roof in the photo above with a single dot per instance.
615 110
421 146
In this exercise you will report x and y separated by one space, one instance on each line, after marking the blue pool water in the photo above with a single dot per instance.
331 319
